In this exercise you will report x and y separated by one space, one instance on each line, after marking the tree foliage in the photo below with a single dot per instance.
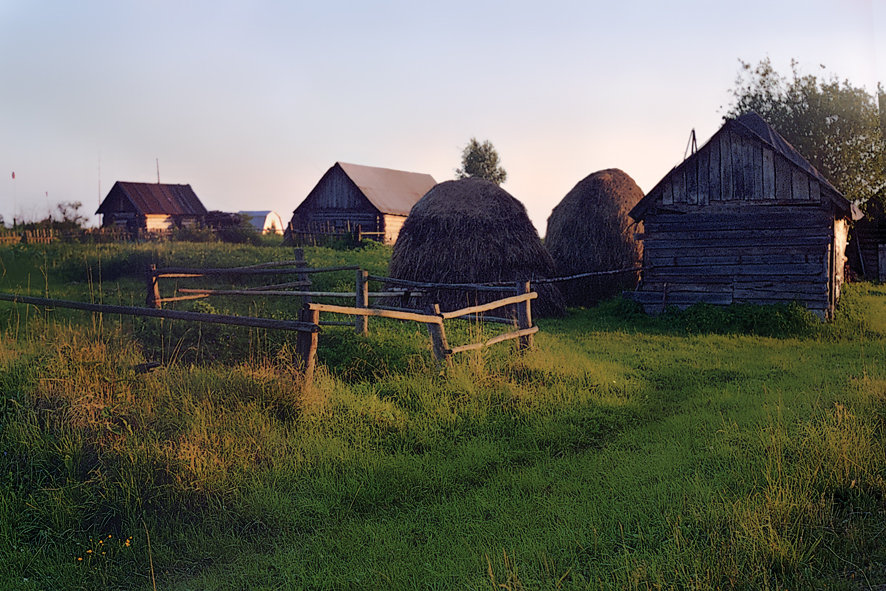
481 160
68 218
838 127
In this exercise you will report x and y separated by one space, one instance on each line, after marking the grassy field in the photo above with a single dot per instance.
710 449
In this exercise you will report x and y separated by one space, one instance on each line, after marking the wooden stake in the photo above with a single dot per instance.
524 316
361 323
152 299
442 353
306 345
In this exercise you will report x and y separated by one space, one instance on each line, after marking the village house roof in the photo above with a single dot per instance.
155 198
758 126
390 191
751 125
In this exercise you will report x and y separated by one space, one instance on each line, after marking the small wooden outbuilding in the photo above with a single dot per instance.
151 207
377 200
744 219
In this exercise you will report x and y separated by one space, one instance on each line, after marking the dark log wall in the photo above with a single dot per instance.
335 202
737 257
863 249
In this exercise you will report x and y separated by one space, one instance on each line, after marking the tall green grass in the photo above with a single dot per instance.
738 448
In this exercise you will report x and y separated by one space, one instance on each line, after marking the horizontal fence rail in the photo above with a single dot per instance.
319 294
171 314
378 312
189 272
490 306
455 286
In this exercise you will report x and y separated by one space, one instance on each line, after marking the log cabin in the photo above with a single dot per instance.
377 200
745 219
151 207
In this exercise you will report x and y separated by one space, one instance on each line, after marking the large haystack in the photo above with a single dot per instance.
590 231
472 231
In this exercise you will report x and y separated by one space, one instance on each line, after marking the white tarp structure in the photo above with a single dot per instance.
264 222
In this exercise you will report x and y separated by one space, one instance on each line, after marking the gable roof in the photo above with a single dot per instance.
390 191
156 198
755 127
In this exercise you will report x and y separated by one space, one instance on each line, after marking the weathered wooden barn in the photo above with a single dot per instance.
744 219
350 195
151 206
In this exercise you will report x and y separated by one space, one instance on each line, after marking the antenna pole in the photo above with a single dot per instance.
158 171
690 145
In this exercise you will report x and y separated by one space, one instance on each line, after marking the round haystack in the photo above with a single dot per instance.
590 231
472 231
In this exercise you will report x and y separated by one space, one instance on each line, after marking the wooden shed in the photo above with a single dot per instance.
350 195
744 219
150 206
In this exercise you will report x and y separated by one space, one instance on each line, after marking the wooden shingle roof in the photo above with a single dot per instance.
390 191
156 198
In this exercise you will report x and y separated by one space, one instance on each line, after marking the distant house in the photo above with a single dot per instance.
744 219
350 195
264 222
151 206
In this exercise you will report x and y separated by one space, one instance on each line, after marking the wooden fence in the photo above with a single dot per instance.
361 311
309 323
321 234
304 350
39 236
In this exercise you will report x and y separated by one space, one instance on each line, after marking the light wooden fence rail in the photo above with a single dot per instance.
361 311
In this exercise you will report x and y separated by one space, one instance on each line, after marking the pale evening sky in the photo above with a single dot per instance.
251 102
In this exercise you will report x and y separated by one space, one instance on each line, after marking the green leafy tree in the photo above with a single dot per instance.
481 160
838 127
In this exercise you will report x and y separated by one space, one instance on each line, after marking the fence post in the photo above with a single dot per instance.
152 300
524 315
361 323
306 344
439 343
299 263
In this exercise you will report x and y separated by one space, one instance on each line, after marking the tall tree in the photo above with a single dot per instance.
836 126
481 160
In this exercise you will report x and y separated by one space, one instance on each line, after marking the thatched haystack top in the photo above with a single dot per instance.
589 231
611 189
473 199
472 231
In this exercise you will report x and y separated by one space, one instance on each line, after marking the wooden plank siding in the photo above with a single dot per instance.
730 257
768 175
732 168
